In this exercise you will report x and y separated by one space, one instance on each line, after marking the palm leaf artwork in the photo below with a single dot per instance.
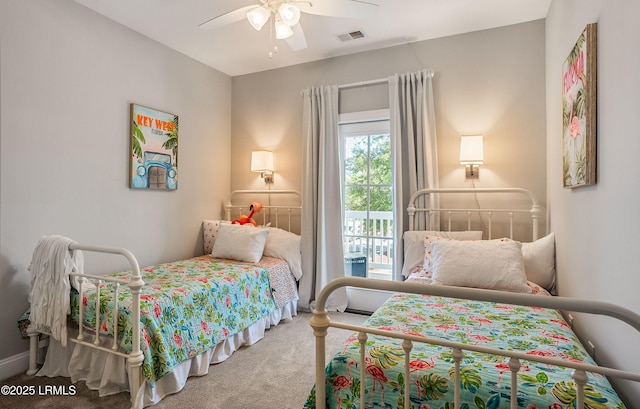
539 381
311 399
566 169
581 164
172 139
137 141
580 104
469 377
492 403
575 52
387 356
355 388
566 393
433 386
566 114
572 123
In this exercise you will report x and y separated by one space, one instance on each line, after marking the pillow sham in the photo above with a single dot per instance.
209 233
239 242
540 261
490 264
285 245
414 249
414 245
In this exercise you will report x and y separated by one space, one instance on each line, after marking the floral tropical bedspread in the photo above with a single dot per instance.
485 379
186 308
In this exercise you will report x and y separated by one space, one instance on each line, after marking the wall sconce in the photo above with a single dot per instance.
262 162
471 155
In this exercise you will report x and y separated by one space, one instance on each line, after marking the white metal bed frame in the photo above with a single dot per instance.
231 209
320 321
533 211
135 283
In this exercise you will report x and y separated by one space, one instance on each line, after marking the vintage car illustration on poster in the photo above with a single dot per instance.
155 171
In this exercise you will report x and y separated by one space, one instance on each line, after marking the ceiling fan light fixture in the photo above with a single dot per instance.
289 14
283 30
258 17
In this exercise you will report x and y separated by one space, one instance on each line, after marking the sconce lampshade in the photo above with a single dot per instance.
471 150
262 161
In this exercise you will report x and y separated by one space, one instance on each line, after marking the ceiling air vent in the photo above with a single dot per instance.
352 35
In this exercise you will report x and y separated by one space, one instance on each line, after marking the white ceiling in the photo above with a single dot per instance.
238 49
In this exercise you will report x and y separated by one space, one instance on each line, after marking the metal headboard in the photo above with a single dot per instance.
275 212
448 213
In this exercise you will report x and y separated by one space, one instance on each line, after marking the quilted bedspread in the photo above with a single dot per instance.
186 307
485 379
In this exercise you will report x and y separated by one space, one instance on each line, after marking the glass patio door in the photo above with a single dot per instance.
368 200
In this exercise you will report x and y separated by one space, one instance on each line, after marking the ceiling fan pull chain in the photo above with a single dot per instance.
273 48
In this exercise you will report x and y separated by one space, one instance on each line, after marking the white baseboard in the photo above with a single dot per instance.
14 365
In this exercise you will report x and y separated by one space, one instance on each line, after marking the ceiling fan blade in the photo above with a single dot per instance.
297 41
227 18
339 8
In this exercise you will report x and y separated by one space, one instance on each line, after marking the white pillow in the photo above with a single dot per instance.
209 233
414 245
239 242
285 245
540 261
490 264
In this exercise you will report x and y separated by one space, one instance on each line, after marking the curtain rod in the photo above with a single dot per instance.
370 82
364 83
361 84
374 82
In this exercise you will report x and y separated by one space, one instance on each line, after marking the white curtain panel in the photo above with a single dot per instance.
414 153
322 253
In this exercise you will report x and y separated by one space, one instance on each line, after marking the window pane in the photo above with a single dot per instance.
355 198
355 162
368 190
380 160
355 244
381 251
381 199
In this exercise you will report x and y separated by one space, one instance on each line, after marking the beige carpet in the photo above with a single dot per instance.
275 373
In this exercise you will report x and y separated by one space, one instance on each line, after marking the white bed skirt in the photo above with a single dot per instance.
108 373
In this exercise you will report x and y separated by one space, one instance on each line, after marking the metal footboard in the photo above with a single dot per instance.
134 283
320 323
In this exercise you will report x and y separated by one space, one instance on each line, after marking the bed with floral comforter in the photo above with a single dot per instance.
188 306
485 379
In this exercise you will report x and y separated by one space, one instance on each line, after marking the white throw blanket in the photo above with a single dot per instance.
51 264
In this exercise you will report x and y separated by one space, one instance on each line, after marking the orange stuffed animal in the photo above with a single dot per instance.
254 207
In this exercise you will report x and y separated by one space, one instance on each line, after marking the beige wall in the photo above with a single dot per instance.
67 77
597 226
489 82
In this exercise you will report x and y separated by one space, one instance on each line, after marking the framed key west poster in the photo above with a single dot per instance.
579 102
154 149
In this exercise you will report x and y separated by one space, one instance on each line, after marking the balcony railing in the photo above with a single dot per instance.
370 234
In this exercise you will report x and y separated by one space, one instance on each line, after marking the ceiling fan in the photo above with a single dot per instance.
286 16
